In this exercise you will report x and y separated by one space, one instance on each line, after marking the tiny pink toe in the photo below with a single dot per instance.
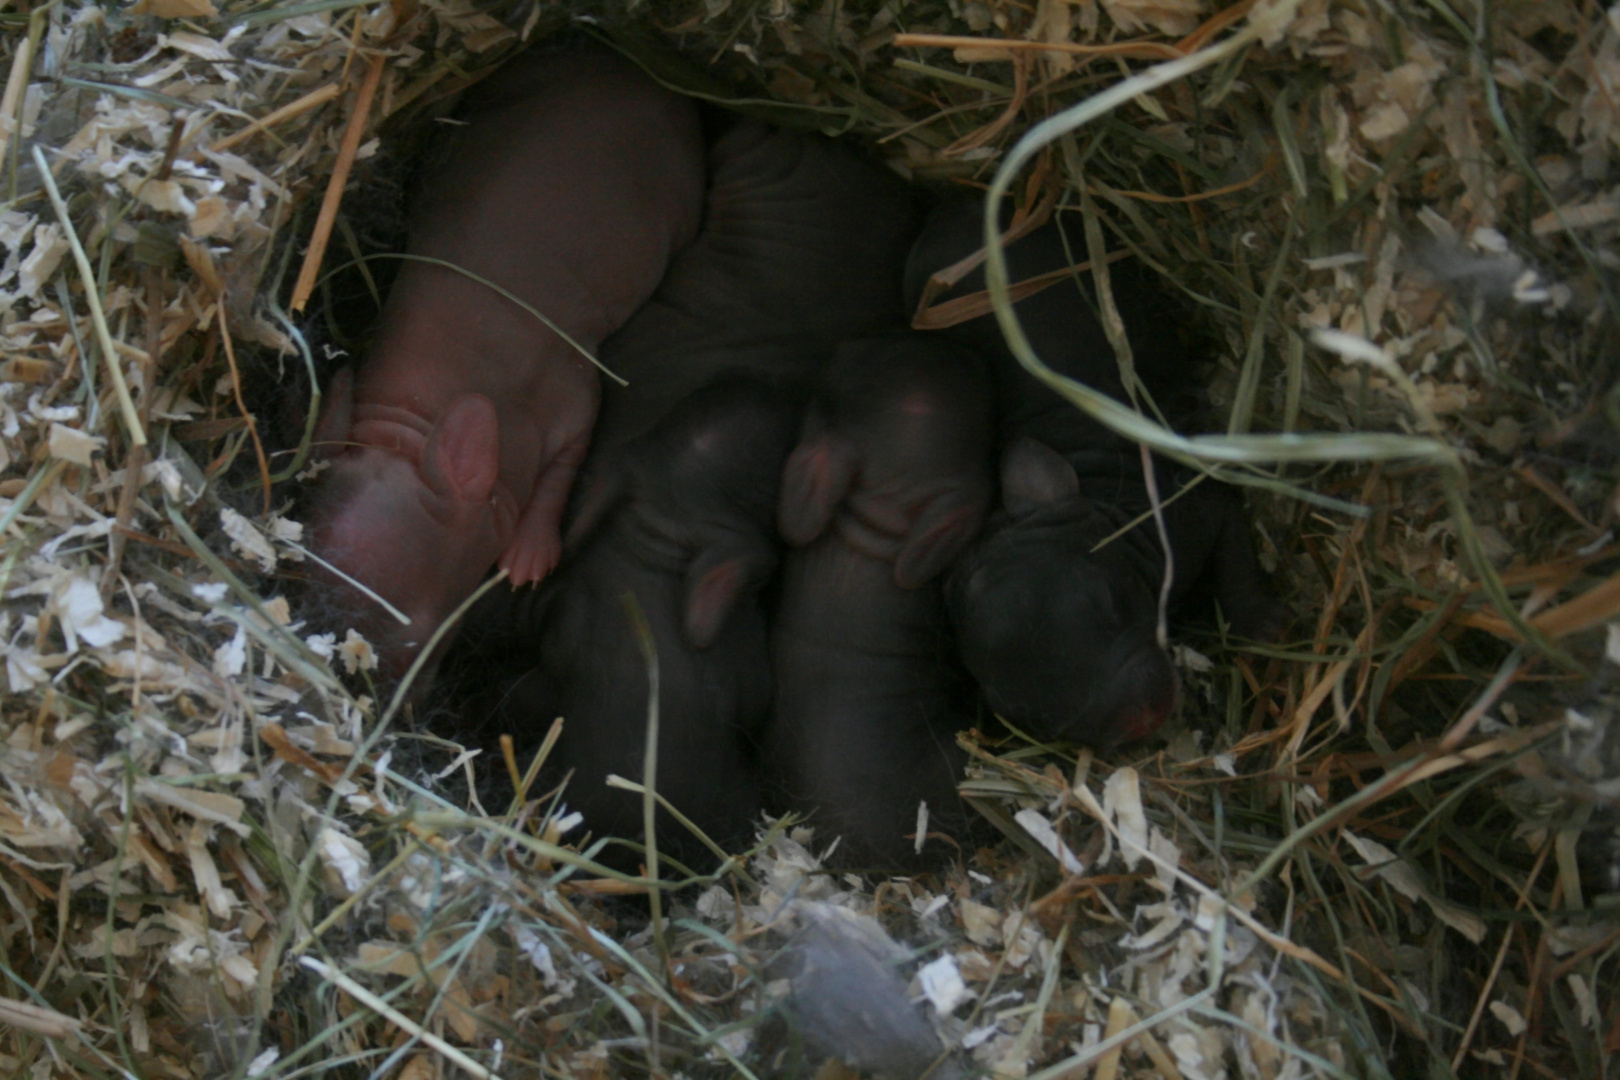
529 565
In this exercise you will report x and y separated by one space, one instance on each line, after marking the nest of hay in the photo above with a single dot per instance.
1387 846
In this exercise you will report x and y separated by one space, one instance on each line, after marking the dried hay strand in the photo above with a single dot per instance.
1385 846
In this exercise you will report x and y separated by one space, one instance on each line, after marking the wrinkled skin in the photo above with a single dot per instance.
1062 638
802 244
802 247
687 529
890 480
454 445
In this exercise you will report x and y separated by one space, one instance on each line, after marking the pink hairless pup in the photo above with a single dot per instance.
454 444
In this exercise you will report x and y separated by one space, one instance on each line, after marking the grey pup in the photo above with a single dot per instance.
890 481
685 531
1061 634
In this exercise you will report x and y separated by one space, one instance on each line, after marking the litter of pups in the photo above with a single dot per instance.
797 494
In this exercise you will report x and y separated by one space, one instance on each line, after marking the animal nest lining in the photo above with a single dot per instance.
1398 830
